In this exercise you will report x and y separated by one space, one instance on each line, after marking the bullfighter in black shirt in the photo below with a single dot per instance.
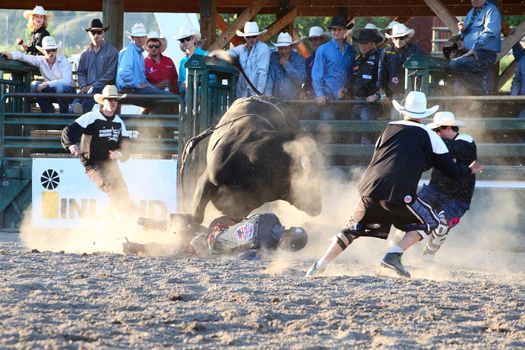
388 187
102 135
451 197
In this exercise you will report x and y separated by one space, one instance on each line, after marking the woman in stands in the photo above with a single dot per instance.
37 21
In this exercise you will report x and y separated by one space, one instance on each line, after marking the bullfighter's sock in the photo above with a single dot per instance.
396 249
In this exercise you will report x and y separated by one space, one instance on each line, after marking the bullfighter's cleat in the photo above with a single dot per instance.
393 261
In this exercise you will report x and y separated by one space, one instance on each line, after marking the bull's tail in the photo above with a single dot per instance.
237 64
188 148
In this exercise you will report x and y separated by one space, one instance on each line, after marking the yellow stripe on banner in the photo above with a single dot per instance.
50 205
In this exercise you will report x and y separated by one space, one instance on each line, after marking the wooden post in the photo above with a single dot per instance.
444 14
113 11
245 16
208 24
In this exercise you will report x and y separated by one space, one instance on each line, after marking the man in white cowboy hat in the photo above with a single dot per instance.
362 80
481 31
56 71
450 197
388 188
102 136
316 37
190 43
287 70
160 69
97 66
332 66
254 58
391 74
37 21
131 71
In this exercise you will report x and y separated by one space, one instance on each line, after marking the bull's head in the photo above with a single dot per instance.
305 175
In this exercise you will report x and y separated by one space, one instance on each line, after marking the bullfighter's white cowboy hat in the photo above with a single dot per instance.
109 91
415 106
250 29
445 119
399 30
285 39
38 10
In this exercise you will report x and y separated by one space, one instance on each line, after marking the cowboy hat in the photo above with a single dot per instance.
339 22
250 29
447 50
48 43
369 27
318 32
284 39
445 119
138 30
109 91
389 27
161 39
415 106
96 24
368 36
399 30
38 10
186 32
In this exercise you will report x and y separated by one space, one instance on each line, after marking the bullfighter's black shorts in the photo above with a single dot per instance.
377 216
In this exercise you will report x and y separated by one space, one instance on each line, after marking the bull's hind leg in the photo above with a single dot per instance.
203 194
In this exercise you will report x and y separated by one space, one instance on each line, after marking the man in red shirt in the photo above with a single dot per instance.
160 69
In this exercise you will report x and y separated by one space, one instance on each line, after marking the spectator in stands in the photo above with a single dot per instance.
391 74
56 71
287 70
388 30
362 82
316 37
481 32
518 83
131 71
37 21
102 136
332 66
448 196
190 43
97 66
254 58
160 69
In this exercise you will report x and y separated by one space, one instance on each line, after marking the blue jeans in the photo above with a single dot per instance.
88 103
46 104
368 111
473 72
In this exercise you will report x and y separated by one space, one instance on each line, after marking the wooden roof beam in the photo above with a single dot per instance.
277 26
244 17
444 14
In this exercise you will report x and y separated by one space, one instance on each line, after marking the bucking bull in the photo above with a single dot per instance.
257 153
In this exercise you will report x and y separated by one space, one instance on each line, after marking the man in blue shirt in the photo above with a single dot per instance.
481 31
287 70
333 61
131 72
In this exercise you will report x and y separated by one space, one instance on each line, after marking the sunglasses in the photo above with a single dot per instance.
185 39
96 32
251 37
400 37
51 50
154 46
111 99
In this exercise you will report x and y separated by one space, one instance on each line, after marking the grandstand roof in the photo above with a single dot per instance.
304 7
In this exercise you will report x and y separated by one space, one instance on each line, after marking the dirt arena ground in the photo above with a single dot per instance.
465 299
